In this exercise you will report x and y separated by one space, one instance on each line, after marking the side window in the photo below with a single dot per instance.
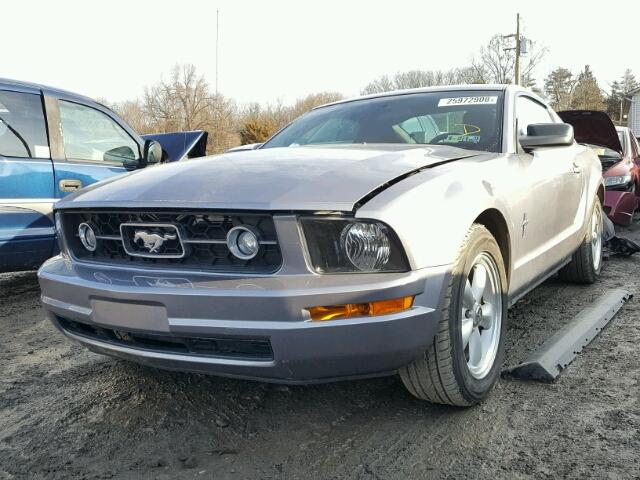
528 112
634 141
634 145
22 127
92 135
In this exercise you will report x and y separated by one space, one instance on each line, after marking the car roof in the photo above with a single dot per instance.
440 88
37 86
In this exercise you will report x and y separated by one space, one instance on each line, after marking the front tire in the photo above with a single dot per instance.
464 360
586 262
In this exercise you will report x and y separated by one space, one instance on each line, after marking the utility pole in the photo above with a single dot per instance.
217 28
517 48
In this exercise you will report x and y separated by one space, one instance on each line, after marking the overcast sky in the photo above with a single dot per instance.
272 50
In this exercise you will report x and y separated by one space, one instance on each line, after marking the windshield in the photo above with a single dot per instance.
603 152
464 119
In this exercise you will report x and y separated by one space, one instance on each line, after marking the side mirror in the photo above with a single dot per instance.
152 152
122 154
547 135
119 154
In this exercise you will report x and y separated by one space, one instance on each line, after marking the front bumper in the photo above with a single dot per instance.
269 308
619 206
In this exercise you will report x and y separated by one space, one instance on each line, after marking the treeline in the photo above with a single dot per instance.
185 100
565 91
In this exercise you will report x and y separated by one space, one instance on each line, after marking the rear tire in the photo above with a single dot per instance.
474 314
586 262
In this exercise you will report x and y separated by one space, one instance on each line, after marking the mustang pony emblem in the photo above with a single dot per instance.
152 241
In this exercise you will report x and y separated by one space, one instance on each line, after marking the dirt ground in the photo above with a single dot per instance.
67 413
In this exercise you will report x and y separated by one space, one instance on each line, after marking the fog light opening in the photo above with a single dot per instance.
353 310
243 242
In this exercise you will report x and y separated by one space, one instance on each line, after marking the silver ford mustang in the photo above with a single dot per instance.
385 234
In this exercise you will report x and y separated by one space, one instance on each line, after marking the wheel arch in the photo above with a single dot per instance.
494 221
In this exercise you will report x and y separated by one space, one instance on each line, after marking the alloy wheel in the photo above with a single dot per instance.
596 238
481 315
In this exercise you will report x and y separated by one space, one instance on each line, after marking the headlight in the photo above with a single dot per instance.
366 245
617 181
350 245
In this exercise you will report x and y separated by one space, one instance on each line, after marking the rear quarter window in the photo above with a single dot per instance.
23 132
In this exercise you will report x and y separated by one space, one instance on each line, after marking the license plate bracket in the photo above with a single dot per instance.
130 315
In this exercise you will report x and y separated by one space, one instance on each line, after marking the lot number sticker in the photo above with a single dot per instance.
450 102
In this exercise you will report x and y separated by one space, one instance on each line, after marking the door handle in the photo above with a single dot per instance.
576 168
69 185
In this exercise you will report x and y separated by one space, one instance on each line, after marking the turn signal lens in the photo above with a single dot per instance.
350 310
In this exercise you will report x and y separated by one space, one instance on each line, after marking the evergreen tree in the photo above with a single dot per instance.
587 94
619 90
559 86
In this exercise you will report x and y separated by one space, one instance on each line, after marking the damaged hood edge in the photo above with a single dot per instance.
279 179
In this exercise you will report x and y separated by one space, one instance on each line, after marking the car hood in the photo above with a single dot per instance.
298 178
593 127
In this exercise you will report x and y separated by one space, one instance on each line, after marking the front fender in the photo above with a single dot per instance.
431 212
592 169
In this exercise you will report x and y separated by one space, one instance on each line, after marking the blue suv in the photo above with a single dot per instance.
54 142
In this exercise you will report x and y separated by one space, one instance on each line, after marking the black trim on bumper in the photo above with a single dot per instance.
242 348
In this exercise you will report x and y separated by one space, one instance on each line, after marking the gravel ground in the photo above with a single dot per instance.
67 413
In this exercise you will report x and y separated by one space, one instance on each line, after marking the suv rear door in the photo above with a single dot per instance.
26 179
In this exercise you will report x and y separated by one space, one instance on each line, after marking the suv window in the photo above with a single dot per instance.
528 112
22 127
89 134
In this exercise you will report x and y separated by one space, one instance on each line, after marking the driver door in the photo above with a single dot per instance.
554 195
94 146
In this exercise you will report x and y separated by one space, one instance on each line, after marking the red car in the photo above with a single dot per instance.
619 153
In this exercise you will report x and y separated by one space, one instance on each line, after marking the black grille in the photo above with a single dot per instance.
221 347
203 236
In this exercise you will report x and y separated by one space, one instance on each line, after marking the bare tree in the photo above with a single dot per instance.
185 102
134 114
498 60
380 84
181 102
257 124
426 78
309 102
